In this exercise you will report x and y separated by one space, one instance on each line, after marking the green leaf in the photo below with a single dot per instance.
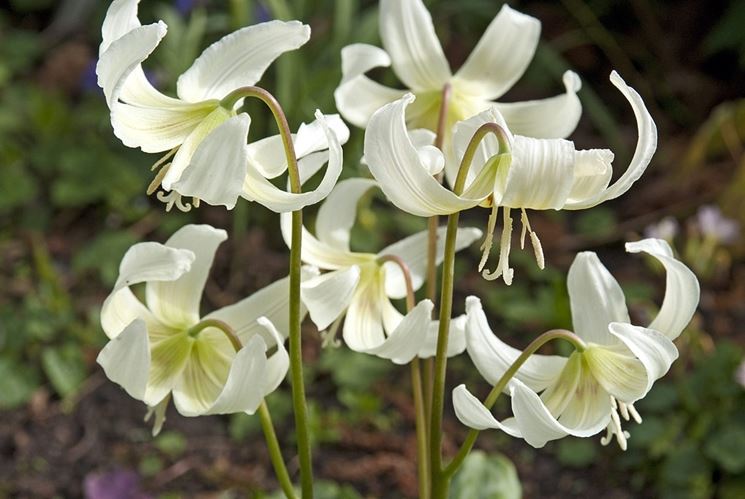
103 255
24 188
171 443
64 367
17 383
486 477
727 448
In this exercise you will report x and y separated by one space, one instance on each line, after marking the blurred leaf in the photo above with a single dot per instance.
728 33
103 255
171 443
576 452
597 223
686 475
24 187
486 477
64 367
17 383
352 370
727 448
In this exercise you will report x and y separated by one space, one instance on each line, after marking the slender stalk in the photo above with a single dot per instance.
218 324
275 453
296 357
554 334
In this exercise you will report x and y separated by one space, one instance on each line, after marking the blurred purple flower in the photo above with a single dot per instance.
89 80
116 484
262 13
666 229
184 7
713 224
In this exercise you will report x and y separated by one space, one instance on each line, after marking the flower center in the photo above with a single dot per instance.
171 198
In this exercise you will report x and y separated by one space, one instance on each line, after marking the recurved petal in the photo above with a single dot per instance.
405 341
329 294
239 59
126 359
472 413
121 18
456 338
120 308
217 169
681 289
552 118
124 55
413 251
492 357
645 148
409 37
596 299
396 165
338 212
592 173
149 261
363 325
501 56
279 362
176 302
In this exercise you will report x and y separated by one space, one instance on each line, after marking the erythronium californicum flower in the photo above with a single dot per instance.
164 347
496 63
617 365
202 135
520 173
359 286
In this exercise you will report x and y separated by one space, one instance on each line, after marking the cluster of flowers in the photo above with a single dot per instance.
495 155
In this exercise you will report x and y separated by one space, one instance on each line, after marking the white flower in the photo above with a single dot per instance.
584 393
536 174
359 286
496 63
205 140
164 346
713 225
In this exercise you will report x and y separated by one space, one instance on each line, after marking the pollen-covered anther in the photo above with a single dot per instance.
173 198
614 426
489 239
534 241
503 265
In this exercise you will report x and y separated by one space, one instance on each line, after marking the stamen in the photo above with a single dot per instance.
537 247
173 198
328 337
503 267
526 226
158 179
489 240
165 158
614 426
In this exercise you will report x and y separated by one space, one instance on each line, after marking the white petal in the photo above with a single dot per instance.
121 18
242 392
456 338
126 359
358 97
472 413
396 165
138 91
501 56
681 289
338 212
176 302
239 59
596 299
312 137
645 148
363 325
492 357
404 343
278 364
431 157
328 295
120 309
592 173
258 188
552 118
409 37
218 168
124 55
413 251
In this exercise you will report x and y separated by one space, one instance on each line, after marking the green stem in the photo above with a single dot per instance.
296 355
275 453
218 324
554 334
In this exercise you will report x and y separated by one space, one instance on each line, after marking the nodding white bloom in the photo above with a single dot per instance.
201 133
359 286
584 393
537 174
496 63
165 347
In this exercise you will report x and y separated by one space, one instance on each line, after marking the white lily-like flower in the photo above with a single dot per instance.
584 393
164 347
202 135
537 174
359 286
499 59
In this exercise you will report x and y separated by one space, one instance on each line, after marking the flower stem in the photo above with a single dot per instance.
218 324
554 334
296 357
275 453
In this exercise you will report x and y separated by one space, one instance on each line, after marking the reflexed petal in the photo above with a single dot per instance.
409 37
218 168
456 338
120 309
126 359
501 56
592 173
124 55
239 59
338 212
358 97
363 325
242 392
472 413
654 350
121 18
596 299
645 148
681 289
540 176
413 251
139 92
176 302
258 188
431 157
492 357
157 129
552 118
278 364
404 343
328 295
619 373
463 132
396 165
312 137
169 355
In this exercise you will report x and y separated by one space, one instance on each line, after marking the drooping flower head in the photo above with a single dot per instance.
200 131
518 173
499 59
165 348
554 396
